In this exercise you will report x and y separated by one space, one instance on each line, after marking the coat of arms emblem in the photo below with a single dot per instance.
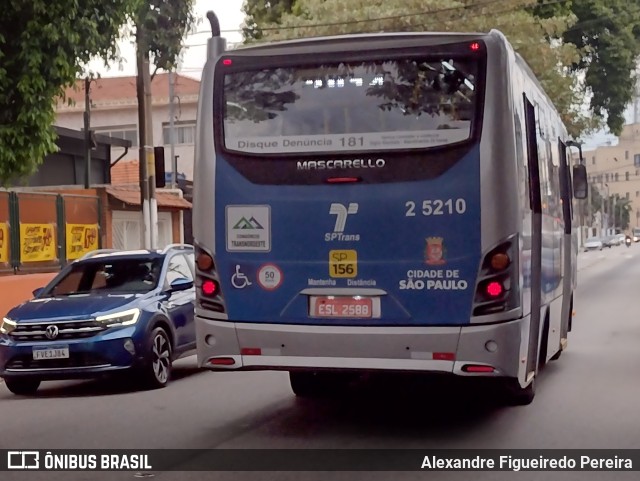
434 251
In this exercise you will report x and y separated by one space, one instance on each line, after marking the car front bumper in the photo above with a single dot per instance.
110 351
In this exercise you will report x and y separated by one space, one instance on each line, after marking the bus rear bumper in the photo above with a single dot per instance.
474 350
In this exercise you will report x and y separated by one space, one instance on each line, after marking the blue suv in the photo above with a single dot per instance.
109 312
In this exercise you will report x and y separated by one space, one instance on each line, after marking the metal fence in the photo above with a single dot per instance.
44 231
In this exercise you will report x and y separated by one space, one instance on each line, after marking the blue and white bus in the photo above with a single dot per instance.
382 203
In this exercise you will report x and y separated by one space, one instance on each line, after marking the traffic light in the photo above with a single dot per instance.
158 154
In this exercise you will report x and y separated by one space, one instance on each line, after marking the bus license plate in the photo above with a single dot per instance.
342 307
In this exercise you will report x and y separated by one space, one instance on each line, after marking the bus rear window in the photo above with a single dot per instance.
372 105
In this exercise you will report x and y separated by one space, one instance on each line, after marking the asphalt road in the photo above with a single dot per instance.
590 398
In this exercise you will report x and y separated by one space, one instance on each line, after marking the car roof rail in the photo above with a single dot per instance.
177 246
97 252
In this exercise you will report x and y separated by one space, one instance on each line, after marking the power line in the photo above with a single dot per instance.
396 17
391 17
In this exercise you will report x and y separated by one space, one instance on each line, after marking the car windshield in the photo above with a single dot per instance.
130 275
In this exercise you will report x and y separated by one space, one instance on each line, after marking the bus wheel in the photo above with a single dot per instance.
519 396
315 384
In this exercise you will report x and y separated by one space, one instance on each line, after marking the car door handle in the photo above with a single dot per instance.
170 305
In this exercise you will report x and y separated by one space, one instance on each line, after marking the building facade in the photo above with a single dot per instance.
114 113
614 170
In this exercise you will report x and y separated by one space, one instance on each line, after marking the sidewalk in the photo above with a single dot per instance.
15 289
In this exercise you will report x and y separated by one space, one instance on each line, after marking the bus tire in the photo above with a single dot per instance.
519 396
311 384
306 384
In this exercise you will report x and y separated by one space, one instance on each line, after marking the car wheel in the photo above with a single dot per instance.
22 387
157 371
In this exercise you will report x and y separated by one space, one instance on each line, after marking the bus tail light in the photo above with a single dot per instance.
204 262
209 293
497 288
494 289
209 287
500 261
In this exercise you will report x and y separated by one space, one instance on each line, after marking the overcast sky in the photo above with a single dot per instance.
231 17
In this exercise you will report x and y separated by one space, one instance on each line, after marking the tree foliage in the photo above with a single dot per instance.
622 212
165 24
259 13
532 36
608 34
603 205
43 45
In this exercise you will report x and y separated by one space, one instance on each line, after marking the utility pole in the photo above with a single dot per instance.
172 133
145 134
87 133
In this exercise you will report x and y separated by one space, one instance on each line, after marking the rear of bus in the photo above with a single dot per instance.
338 210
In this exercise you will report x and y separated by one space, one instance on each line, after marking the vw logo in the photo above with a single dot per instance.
51 332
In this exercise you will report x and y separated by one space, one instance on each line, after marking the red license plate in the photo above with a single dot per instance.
342 307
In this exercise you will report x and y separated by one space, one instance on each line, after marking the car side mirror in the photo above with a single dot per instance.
36 292
181 284
580 182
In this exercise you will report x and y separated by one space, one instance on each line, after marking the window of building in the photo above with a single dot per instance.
593 160
617 177
129 132
626 155
606 177
636 161
185 133
627 195
626 176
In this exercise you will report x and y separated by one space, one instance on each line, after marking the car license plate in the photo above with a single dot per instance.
342 307
57 352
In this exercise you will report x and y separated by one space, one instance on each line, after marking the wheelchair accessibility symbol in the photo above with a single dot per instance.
239 279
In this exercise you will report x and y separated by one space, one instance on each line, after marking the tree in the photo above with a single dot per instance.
622 212
43 45
608 32
533 37
165 24
259 13
160 28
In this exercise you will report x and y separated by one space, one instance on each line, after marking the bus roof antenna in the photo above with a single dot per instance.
215 23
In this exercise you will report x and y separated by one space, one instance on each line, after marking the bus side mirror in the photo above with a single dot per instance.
580 182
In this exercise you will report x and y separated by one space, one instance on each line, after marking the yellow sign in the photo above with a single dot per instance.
343 263
4 243
81 238
37 243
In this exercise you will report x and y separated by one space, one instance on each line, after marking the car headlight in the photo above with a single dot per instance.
7 325
123 318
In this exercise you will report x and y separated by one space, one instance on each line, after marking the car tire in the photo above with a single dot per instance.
156 372
23 387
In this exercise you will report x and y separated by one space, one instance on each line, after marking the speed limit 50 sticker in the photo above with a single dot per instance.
269 277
